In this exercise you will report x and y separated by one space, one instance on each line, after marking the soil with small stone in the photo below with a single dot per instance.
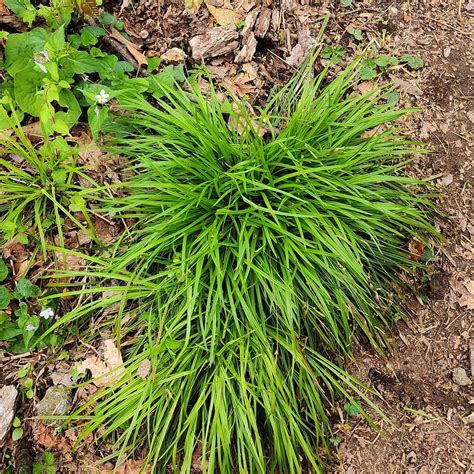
426 382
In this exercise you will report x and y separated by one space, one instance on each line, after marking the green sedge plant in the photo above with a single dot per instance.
264 243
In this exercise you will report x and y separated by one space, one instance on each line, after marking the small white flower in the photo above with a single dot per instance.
41 58
102 97
46 313
41 66
45 54
30 327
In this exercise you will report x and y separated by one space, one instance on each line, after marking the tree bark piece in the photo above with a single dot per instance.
217 41
248 49
8 395
263 23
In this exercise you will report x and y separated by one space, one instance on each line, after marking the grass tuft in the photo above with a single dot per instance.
262 244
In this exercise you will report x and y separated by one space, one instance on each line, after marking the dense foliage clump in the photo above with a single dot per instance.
262 243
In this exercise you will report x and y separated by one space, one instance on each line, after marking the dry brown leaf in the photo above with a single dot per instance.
19 254
223 16
367 86
3 9
416 249
301 49
133 467
71 263
371 132
32 130
105 231
467 298
409 87
45 437
139 57
104 368
132 48
89 8
144 369
192 6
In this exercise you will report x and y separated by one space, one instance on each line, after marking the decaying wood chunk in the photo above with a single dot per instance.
250 20
215 42
263 23
8 395
276 20
248 49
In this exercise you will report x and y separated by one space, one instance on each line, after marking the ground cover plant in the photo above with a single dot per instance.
57 74
263 244
40 189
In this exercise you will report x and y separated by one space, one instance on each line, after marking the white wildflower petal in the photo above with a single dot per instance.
46 313
30 327
102 97
45 54
41 66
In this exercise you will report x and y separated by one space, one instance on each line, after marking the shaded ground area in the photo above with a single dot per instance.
426 383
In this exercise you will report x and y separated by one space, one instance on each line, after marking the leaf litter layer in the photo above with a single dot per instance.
261 247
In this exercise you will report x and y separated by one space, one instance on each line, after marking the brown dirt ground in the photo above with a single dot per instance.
428 409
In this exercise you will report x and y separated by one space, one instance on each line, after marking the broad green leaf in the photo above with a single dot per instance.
22 9
26 289
80 62
90 35
60 126
5 297
56 41
392 97
77 204
27 83
415 62
96 116
67 100
21 47
367 71
9 331
356 33
351 409
17 434
385 60
3 270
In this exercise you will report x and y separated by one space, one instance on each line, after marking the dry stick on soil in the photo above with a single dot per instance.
471 355
122 50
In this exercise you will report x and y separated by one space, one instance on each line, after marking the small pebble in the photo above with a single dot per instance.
460 377
469 420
